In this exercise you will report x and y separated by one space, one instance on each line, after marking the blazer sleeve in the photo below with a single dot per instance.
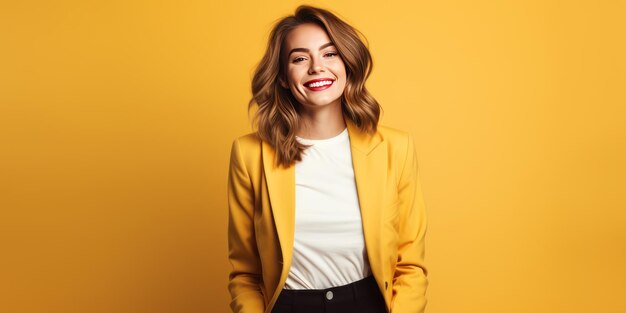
245 277
410 281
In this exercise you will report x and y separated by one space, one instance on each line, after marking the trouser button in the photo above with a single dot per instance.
329 295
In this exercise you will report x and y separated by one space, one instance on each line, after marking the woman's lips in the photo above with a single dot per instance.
319 88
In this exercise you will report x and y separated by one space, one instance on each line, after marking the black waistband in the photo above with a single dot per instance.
365 287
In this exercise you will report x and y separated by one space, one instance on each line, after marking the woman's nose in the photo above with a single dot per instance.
315 69
316 66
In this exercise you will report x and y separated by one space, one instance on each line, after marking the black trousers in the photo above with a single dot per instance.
360 296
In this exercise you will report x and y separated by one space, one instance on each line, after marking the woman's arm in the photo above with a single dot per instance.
245 278
410 282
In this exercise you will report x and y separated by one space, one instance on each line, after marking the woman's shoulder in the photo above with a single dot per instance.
393 134
251 138
247 144
399 143
246 151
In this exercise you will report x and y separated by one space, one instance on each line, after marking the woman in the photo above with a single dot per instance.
325 206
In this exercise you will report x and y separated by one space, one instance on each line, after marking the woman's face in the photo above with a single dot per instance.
316 73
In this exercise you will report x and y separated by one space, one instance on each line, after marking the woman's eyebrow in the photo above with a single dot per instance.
328 44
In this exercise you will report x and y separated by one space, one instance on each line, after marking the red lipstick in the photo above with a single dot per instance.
319 84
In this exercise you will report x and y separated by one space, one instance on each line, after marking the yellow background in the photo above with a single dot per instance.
116 119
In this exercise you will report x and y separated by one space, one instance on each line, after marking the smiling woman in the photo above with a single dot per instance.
312 44
325 208
312 68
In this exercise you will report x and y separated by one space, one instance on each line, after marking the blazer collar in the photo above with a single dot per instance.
370 170
361 141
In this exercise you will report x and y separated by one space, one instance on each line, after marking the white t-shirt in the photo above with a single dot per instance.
329 248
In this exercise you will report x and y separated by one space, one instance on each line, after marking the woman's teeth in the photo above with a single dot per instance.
320 84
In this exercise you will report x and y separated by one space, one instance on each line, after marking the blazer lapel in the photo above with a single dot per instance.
281 185
370 170
369 161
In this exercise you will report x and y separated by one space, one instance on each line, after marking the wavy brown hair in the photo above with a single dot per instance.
278 115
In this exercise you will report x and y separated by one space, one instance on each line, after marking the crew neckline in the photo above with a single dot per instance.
336 138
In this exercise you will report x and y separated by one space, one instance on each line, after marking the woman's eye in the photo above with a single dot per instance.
332 54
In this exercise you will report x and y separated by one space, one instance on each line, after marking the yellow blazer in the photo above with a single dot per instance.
261 200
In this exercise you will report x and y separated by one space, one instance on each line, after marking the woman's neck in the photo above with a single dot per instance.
321 124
